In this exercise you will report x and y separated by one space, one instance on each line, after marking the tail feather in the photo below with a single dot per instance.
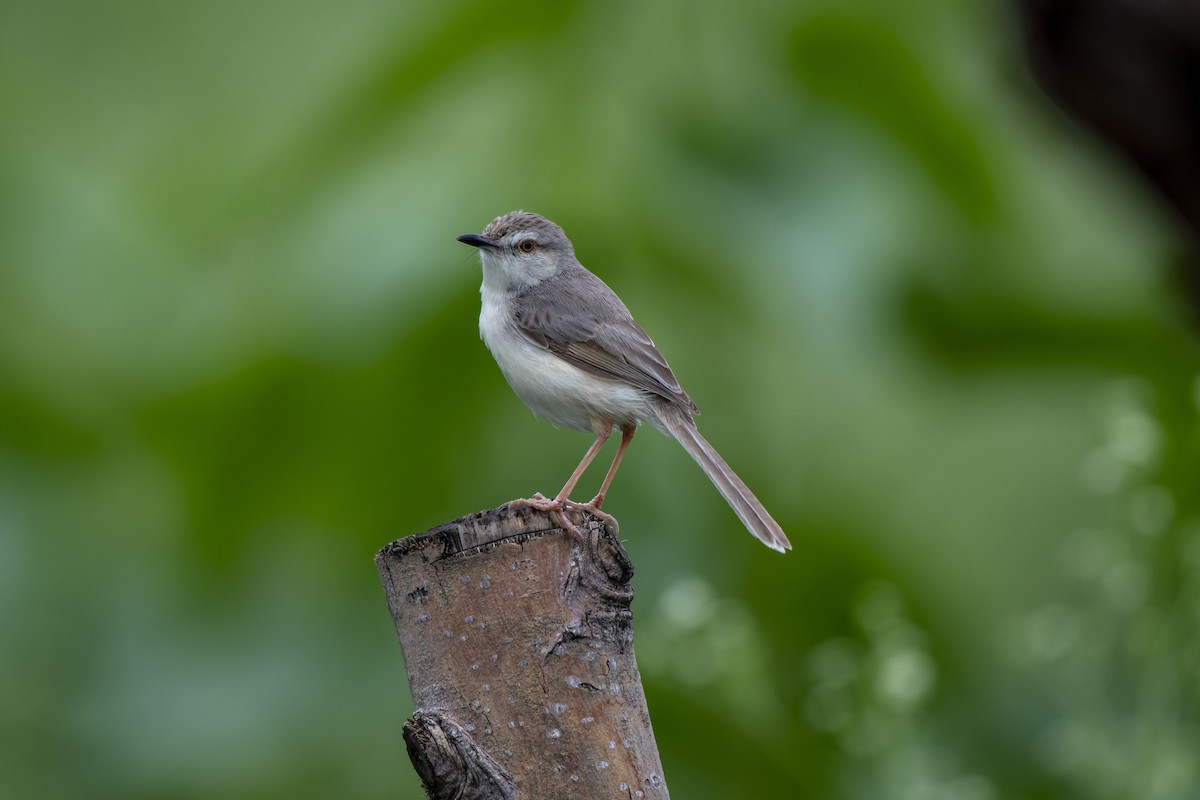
736 493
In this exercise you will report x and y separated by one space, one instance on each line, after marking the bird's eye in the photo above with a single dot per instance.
527 246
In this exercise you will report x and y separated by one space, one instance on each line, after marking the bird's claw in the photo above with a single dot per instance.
558 505
554 506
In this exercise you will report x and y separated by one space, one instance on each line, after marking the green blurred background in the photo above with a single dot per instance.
927 318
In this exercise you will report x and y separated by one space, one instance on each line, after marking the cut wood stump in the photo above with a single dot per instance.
518 640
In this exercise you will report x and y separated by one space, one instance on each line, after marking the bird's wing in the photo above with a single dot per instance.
587 325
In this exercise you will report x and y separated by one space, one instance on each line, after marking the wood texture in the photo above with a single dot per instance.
518 641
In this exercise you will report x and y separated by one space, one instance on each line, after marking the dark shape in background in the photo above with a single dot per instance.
1131 72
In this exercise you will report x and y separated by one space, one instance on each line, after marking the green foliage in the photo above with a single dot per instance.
926 319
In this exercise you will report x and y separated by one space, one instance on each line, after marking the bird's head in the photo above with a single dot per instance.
521 249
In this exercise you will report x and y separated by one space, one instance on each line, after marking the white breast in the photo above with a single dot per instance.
553 389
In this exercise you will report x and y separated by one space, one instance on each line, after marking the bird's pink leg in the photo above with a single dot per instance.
627 432
593 505
588 457
560 502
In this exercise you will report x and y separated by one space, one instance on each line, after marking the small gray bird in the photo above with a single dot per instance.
571 351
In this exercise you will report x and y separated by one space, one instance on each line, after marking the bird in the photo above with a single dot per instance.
572 352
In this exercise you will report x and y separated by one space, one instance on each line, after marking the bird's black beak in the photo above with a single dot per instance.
477 240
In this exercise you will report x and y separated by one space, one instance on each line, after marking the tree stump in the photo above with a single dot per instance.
518 641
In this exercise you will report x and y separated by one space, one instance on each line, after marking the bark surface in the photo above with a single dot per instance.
518 641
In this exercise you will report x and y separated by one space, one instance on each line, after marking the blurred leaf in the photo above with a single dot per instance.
860 63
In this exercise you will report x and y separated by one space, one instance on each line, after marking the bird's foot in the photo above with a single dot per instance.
593 507
554 506
540 502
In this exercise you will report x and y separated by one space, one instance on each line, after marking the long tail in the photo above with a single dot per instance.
737 494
